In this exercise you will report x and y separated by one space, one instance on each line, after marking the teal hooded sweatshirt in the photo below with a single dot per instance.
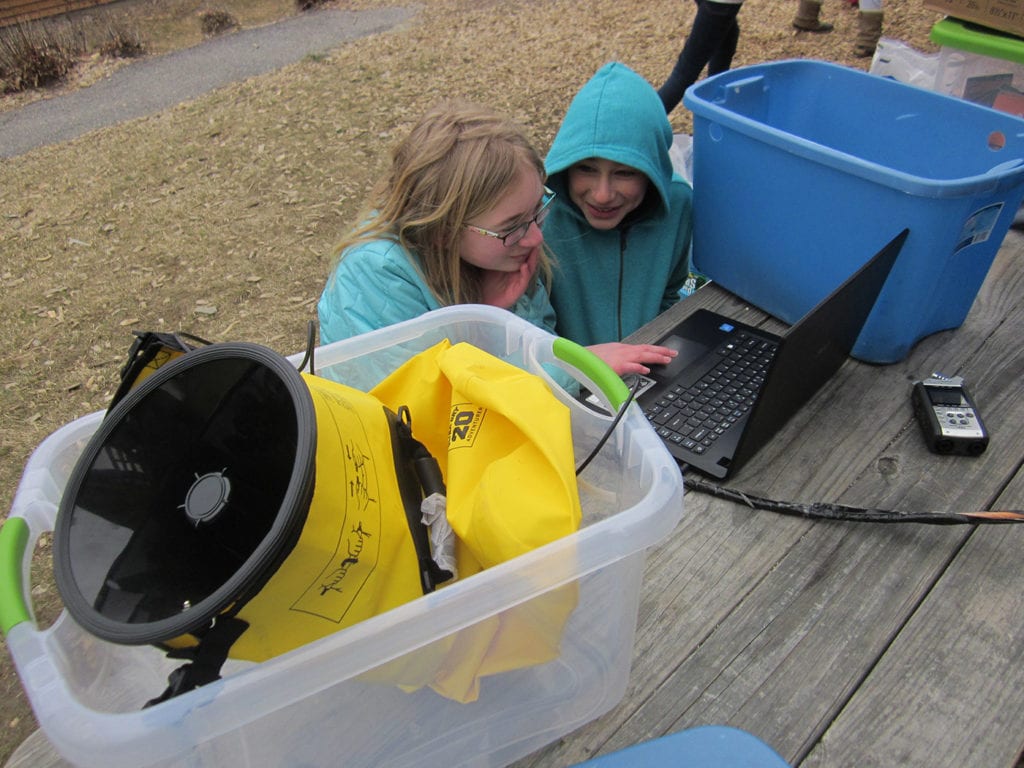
608 283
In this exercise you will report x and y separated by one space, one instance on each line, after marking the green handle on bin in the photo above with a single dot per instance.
609 382
13 539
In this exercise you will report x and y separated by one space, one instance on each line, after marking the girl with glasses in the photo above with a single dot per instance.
455 221
460 165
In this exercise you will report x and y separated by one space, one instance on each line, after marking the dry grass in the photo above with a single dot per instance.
218 216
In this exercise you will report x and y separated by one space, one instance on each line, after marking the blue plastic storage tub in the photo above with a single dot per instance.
802 170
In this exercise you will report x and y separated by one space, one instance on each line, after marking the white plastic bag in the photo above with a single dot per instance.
681 154
897 60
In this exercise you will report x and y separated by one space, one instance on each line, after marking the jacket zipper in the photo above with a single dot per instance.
622 269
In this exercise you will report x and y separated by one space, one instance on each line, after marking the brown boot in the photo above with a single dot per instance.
806 18
869 29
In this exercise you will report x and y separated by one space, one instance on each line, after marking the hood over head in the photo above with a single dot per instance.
617 115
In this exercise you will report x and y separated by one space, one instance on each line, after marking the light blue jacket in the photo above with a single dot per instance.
608 283
377 284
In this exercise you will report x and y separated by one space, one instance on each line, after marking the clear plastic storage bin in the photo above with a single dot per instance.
313 706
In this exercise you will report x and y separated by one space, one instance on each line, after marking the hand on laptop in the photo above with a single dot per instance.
632 358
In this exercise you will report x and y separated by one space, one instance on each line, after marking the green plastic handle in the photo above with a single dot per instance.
13 540
611 385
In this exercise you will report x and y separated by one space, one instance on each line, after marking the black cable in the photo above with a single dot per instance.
820 510
611 428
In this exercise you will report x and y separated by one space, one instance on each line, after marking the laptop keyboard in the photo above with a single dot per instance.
695 416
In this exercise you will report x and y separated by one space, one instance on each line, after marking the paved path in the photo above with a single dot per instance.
155 83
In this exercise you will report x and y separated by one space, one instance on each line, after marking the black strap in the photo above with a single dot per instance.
307 359
411 452
146 347
206 658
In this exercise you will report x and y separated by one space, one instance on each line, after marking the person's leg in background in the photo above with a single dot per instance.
869 28
712 42
806 18
721 59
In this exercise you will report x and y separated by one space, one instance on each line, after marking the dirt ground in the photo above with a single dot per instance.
218 216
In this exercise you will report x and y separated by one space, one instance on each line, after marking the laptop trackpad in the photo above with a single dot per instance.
689 351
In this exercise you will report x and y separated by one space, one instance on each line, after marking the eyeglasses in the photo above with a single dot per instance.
513 236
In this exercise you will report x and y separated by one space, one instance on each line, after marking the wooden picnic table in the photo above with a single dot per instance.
848 643
841 643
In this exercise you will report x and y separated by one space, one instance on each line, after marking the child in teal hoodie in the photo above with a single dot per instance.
620 223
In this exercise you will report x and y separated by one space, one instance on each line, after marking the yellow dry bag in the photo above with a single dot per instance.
230 507
504 443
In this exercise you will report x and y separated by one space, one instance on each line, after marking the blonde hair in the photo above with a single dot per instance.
454 166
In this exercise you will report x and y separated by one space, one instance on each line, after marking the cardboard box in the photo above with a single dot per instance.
1004 15
986 67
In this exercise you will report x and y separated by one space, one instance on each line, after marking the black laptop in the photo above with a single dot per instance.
733 386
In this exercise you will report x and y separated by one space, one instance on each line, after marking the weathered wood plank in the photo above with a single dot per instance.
843 643
771 623
949 691
952 679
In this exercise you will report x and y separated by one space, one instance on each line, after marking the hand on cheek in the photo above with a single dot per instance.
503 289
